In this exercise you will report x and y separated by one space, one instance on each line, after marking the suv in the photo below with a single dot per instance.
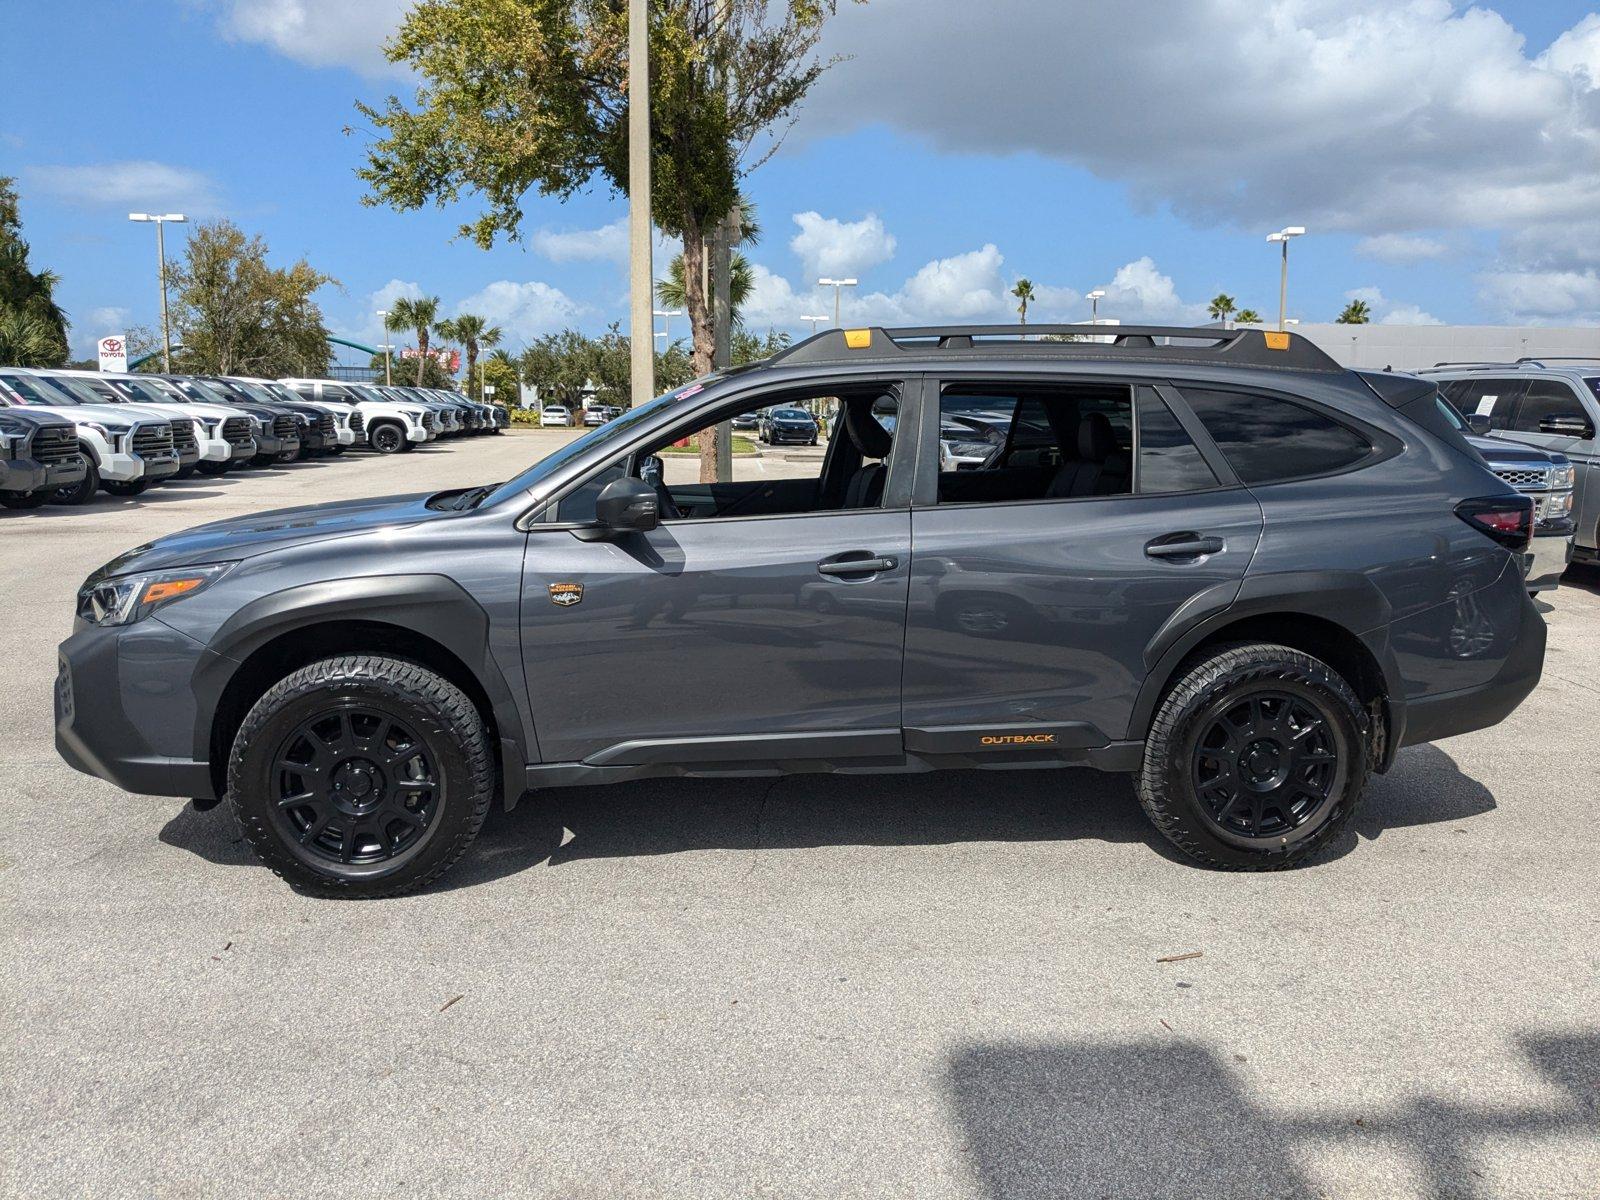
39 456
1213 558
793 425
1550 403
386 426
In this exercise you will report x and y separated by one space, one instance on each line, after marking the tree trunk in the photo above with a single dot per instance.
472 363
702 329
422 356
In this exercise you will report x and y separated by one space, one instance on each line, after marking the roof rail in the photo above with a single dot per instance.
1473 363
1560 358
1206 344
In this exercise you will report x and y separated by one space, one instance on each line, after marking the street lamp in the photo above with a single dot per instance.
837 285
814 319
666 315
1283 235
1094 299
160 220
387 381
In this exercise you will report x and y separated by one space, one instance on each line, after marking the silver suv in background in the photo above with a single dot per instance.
1550 403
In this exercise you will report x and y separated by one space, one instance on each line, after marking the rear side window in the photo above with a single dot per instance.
1544 398
1488 397
1168 460
1266 439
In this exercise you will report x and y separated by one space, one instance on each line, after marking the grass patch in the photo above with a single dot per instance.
741 445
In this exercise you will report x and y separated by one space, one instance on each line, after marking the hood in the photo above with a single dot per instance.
120 415
219 412
260 533
1497 450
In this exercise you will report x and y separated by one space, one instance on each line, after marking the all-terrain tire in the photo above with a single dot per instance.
443 718
84 490
1214 684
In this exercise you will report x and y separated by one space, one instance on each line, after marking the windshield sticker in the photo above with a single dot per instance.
1485 407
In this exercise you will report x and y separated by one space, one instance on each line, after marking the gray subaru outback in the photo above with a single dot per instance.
1210 558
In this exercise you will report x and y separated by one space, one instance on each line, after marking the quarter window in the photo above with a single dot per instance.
1268 439
1488 397
1168 459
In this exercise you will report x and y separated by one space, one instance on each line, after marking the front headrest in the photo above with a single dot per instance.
1096 439
872 439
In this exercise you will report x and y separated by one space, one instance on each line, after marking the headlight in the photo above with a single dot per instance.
1557 505
95 427
124 599
12 444
1563 477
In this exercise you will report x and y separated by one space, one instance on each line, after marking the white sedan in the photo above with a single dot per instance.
556 414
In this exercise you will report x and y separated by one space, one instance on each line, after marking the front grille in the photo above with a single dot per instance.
152 439
183 439
1536 478
236 431
358 424
428 421
283 427
55 443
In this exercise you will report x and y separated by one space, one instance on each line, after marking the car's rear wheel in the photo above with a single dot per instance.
388 439
361 776
1256 759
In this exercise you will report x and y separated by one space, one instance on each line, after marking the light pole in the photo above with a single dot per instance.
160 221
814 319
1094 299
384 313
1283 235
666 315
838 286
641 354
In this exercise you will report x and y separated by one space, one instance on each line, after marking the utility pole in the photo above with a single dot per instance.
387 381
1283 235
161 257
727 237
837 285
641 327
814 319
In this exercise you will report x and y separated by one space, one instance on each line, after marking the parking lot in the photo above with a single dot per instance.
941 985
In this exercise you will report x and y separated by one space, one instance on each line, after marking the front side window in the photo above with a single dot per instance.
1544 398
1267 439
1487 397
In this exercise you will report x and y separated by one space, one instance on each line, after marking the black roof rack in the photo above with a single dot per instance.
1180 343
1471 363
1560 358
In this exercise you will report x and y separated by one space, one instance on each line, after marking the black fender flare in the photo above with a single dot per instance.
432 606
1347 599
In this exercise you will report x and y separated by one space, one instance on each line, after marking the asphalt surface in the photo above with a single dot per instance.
930 986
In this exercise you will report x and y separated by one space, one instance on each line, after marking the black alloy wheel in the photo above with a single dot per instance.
84 490
1264 764
386 439
355 786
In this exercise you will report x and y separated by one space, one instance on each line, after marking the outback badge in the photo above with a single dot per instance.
566 594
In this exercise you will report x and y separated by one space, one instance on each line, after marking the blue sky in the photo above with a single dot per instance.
1446 160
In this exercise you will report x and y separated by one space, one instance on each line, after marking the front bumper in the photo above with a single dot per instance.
778 435
103 676
1549 557
130 468
19 476
416 433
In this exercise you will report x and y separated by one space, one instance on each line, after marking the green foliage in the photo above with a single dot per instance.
417 314
1249 316
747 347
404 373
475 335
1023 292
565 365
672 293
1357 312
499 371
1222 306
33 329
233 314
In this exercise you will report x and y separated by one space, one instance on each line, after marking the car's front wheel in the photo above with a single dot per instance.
388 439
126 487
361 776
1256 758
84 490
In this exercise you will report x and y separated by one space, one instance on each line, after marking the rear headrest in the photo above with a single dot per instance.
872 439
1096 439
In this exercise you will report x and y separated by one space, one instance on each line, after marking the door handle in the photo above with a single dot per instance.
1182 545
856 566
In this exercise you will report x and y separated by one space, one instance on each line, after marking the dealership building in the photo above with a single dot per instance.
1412 347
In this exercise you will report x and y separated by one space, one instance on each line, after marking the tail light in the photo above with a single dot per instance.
1506 519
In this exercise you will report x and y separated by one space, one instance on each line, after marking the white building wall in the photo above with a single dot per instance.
1412 347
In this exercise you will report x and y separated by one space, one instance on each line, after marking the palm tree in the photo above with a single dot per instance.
1357 312
418 314
670 291
1222 306
1023 291
475 334
28 339
1249 316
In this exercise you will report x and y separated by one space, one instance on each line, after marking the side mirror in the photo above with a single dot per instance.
651 470
1479 423
1572 425
628 506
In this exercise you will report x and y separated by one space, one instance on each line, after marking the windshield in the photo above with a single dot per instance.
142 390
618 428
791 414
32 390
1594 385
89 391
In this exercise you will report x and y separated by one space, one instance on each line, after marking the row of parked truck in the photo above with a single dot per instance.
67 435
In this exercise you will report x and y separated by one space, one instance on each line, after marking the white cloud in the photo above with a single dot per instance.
318 33
836 249
96 324
963 287
524 310
1577 52
131 185
1389 312
609 242
1402 248
1543 296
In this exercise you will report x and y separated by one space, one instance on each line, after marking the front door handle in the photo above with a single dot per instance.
1182 545
856 566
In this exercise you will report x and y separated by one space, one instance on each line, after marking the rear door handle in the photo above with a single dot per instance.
1182 545
856 566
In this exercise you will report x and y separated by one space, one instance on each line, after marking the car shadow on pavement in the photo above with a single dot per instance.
1585 577
1175 1117
671 816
